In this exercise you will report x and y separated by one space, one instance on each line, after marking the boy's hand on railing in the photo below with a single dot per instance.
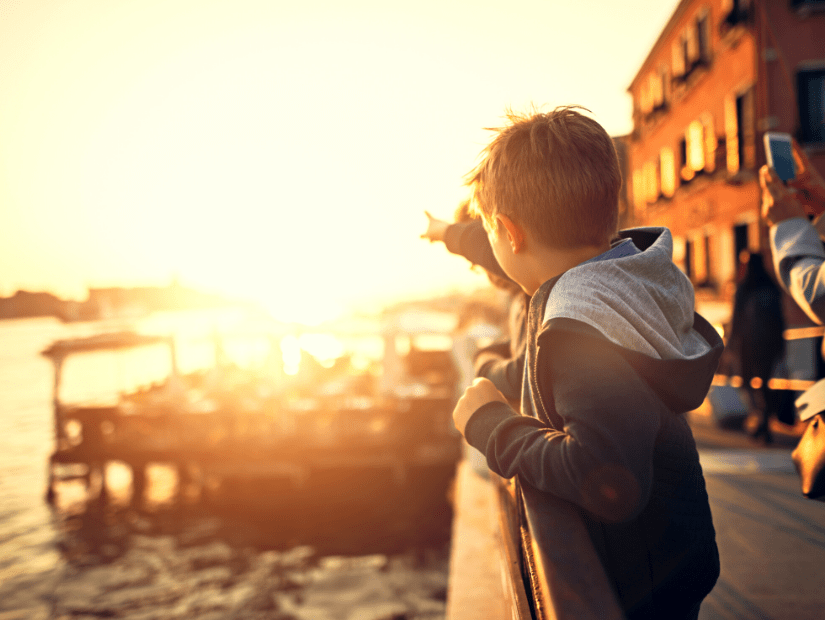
436 229
481 392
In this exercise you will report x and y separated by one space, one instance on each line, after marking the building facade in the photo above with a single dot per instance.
721 74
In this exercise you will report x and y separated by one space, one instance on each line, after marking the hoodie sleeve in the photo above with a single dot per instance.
602 457
469 240
798 258
495 364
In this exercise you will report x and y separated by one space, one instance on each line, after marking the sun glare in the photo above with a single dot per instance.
283 153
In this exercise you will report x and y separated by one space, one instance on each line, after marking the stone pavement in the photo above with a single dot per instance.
771 539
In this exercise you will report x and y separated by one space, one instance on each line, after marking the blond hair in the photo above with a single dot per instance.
556 174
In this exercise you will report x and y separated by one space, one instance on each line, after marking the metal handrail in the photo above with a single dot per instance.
797 385
566 574
800 333
777 383
512 556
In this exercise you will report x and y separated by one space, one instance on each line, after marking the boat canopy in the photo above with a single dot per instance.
101 342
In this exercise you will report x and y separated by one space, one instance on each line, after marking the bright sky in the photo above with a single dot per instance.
282 151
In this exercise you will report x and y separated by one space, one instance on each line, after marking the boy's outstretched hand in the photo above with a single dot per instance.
481 392
436 229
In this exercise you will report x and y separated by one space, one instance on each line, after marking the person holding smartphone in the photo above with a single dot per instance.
796 242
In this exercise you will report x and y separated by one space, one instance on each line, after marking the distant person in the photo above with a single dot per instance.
796 243
615 356
502 362
756 341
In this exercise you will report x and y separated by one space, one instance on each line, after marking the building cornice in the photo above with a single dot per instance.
669 27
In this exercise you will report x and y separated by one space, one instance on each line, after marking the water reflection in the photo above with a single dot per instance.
246 552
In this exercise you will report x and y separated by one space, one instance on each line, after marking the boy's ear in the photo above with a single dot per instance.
515 234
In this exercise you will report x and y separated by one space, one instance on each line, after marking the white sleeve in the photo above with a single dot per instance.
798 258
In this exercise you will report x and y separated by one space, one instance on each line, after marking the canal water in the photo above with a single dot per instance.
90 560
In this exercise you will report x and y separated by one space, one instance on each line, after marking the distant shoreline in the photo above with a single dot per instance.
109 303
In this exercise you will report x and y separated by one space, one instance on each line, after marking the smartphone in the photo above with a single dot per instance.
779 150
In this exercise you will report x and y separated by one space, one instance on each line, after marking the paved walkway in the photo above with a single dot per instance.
771 539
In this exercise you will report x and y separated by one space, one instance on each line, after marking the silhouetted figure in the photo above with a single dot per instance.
756 341
503 361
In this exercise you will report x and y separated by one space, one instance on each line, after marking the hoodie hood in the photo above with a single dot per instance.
642 302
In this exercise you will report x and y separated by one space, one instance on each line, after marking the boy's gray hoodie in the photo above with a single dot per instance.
615 355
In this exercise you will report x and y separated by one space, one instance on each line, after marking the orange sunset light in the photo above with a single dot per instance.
273 151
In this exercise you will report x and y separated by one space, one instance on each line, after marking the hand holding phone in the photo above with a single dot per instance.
779 151
779 202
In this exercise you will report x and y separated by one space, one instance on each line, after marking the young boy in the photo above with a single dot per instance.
615 356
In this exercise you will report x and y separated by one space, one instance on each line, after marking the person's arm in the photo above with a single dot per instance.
808 182
494 363
602 459
469 239
436 228
796 248
799 262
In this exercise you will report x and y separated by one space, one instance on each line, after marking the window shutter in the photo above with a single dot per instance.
696 146
692 43
639 200
667 166
677 57
709 144
731 135
748 130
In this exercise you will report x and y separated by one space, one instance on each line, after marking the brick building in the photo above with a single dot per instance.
721 73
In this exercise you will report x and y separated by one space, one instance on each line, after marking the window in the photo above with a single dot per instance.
663 80
696 146
703 36
657 93
746 134
709 142
678 57
651 182
685 171
691 44
809 4
740 135
740 243
697 259
679 250
811 97
735 12
639 198
697 149
691 49
645 100
704 274
667 168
